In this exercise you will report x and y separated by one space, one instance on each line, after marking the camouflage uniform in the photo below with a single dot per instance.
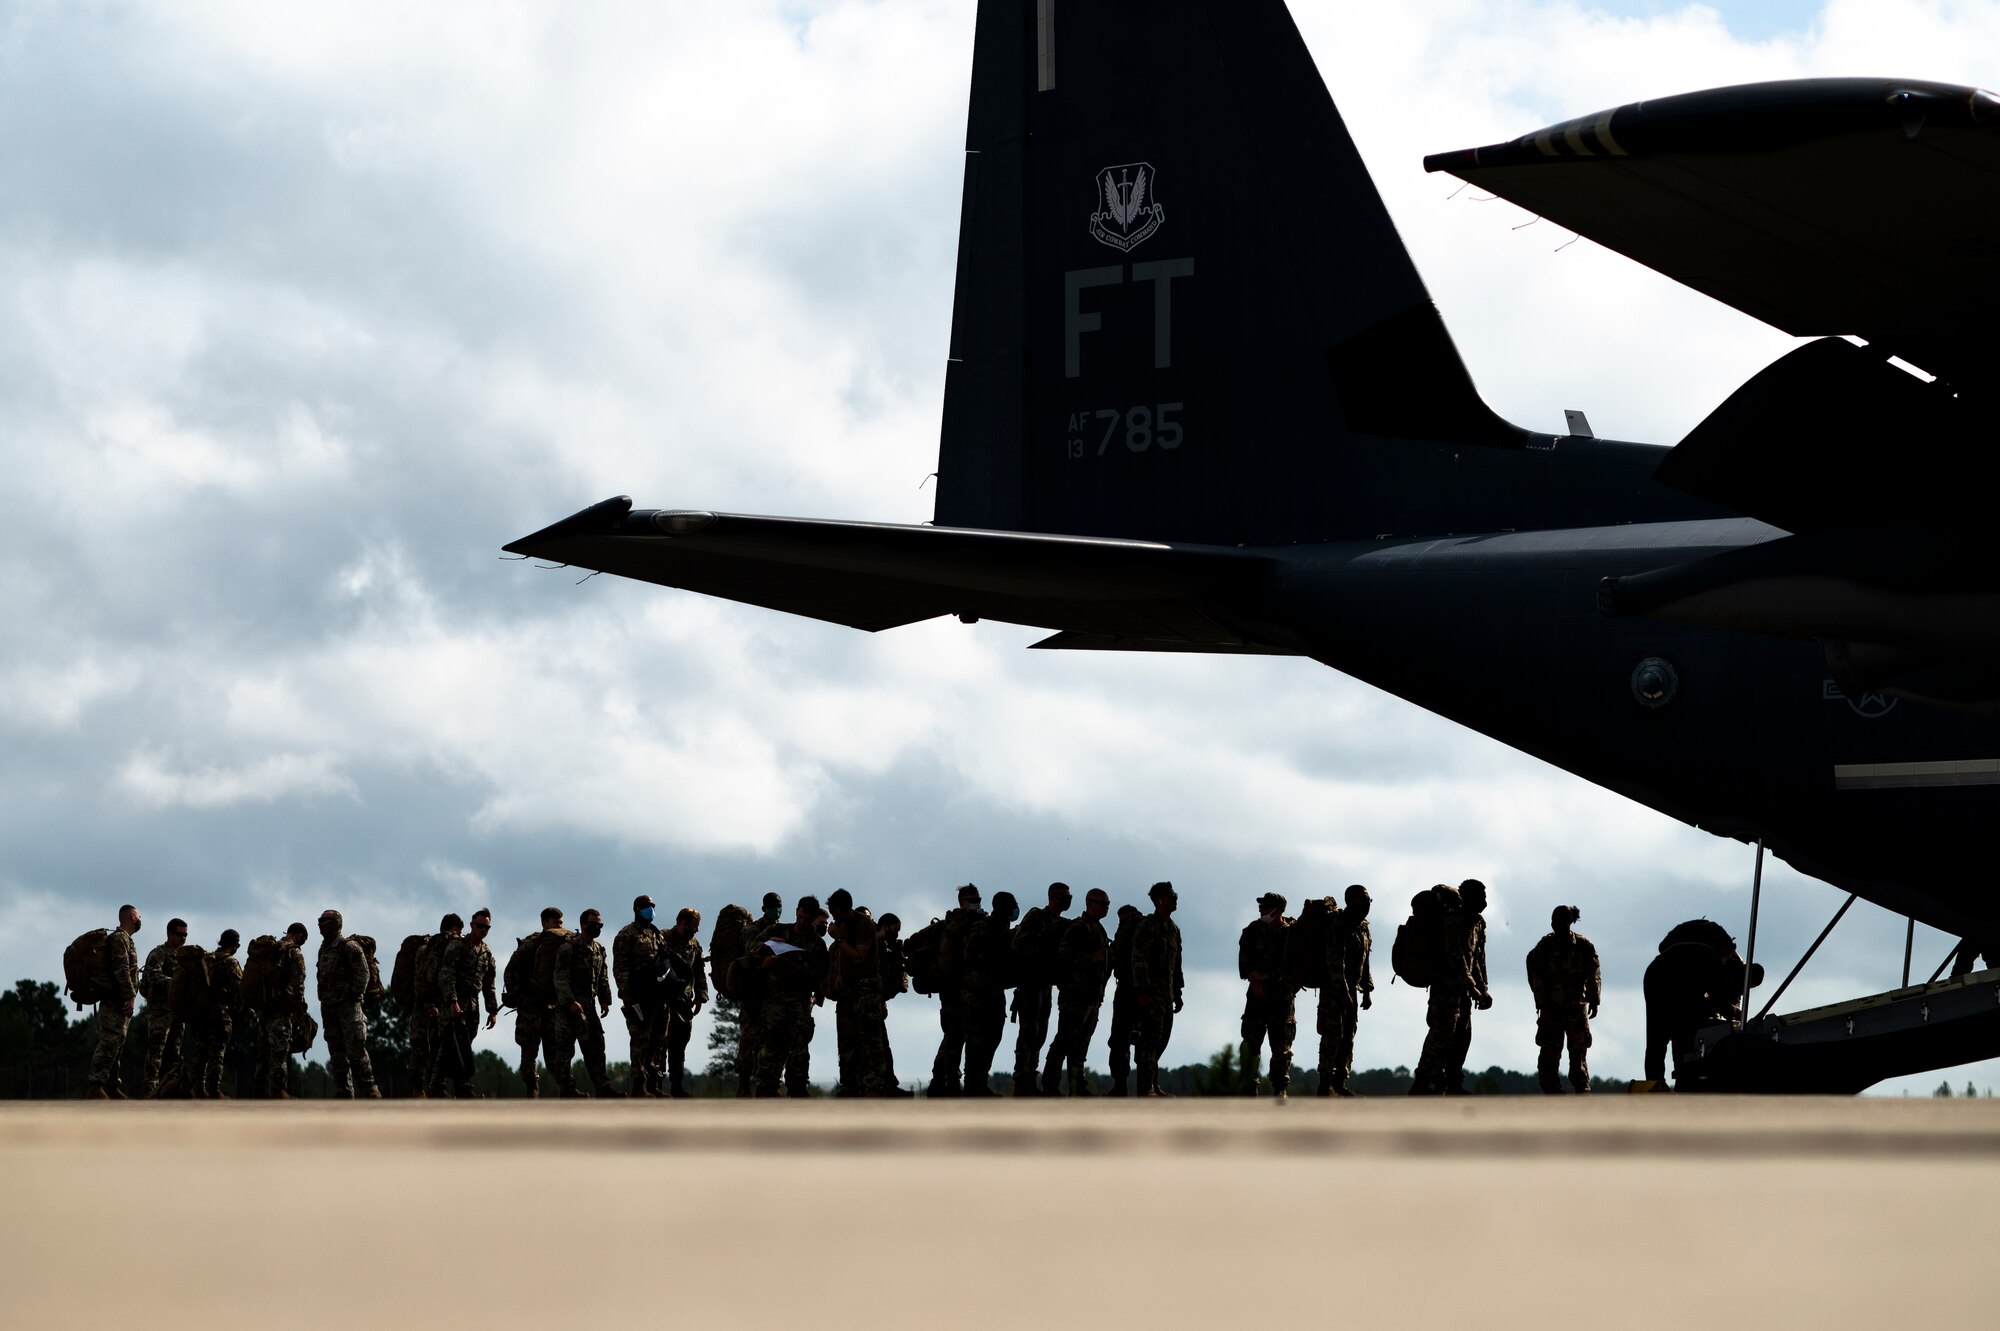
1269 1011
535 1030
1564 975
465 975
895 980
281 1011
1083 964
860 1011
681 1002
218 1022
1348 977
343 981
790 988
959 922
121 971
583 981
1123 1008
426 1016
1448 1014
1034 943
163 1029
1156 985
983 982
634 951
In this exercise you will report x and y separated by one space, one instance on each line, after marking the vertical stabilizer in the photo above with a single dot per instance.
1182 310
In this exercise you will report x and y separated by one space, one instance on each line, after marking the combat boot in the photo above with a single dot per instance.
1026 1089
575 1093
606 1091
97 1093
1079 1089
679 1090
1052 1083
944 1090
1117 1090
420 1093
372 1093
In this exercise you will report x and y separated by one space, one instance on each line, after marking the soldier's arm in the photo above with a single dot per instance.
1596 978
1243 954
621 961
1179 978
124 963
1367 970
565 982
151 978
699 963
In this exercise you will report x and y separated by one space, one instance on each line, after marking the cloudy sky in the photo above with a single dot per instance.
305 311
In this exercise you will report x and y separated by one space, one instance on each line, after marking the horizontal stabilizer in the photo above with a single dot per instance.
879 575
1822 206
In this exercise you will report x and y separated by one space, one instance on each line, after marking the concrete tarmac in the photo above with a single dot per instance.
1615 1211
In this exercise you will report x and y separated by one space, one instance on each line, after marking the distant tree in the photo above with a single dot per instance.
725 1033
37 1048
1223 1075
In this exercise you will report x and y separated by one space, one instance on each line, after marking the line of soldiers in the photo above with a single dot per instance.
560 988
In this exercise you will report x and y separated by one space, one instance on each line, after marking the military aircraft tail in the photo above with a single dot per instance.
1182 311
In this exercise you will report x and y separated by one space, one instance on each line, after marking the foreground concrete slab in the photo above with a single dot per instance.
1642 1211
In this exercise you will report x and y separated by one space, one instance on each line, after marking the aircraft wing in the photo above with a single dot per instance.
875 576
1854 207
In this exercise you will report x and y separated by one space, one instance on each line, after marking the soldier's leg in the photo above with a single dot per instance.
1344 1016
357 1056
951 1043
1461 1045
440 1079
1148 1036
1254 1031
1121 1041
871 1045
423 1052
985 1023
220 1029
1656 1027
635 1030
338 1067
275 1057
1579 1050
1079 1052
112 1024
1029 1037
528 1040
656 1058
1283 1029
1440 1010
592 1042
844 1036
775 1026
1548 1049
798 1056
559 1049
158 1027
679 1030
1062 1050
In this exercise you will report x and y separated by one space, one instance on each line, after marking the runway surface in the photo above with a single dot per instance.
1641 1211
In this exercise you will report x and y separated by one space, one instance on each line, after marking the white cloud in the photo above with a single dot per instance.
303 317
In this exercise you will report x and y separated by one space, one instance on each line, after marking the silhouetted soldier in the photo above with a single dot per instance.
1083 964
1156 984
114 1011
466 972
1268 1004
958 923
687 994
1563 975
343 974
280 1011
1695 981
583 1000
427 1016
895 980
635 958
1124 1007
1461 988
749 1016
983 981
210 1042
792 959
163 1028
1349 989
854 981
1034 943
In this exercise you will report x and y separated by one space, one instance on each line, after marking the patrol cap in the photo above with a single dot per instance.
1270 901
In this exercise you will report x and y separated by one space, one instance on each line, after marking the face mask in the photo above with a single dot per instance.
646 914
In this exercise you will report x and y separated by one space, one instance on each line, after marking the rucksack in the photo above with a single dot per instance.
304 1031
187 994
546 951
958 924
726 947
260 972
371 997
403 975
1703 933
84 977
517 978
1306 944
1420 953
922 957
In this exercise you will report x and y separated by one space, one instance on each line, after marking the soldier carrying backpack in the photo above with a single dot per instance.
1347 990
103 965
530 979
163 1027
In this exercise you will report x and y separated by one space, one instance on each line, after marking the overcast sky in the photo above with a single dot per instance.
305 311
